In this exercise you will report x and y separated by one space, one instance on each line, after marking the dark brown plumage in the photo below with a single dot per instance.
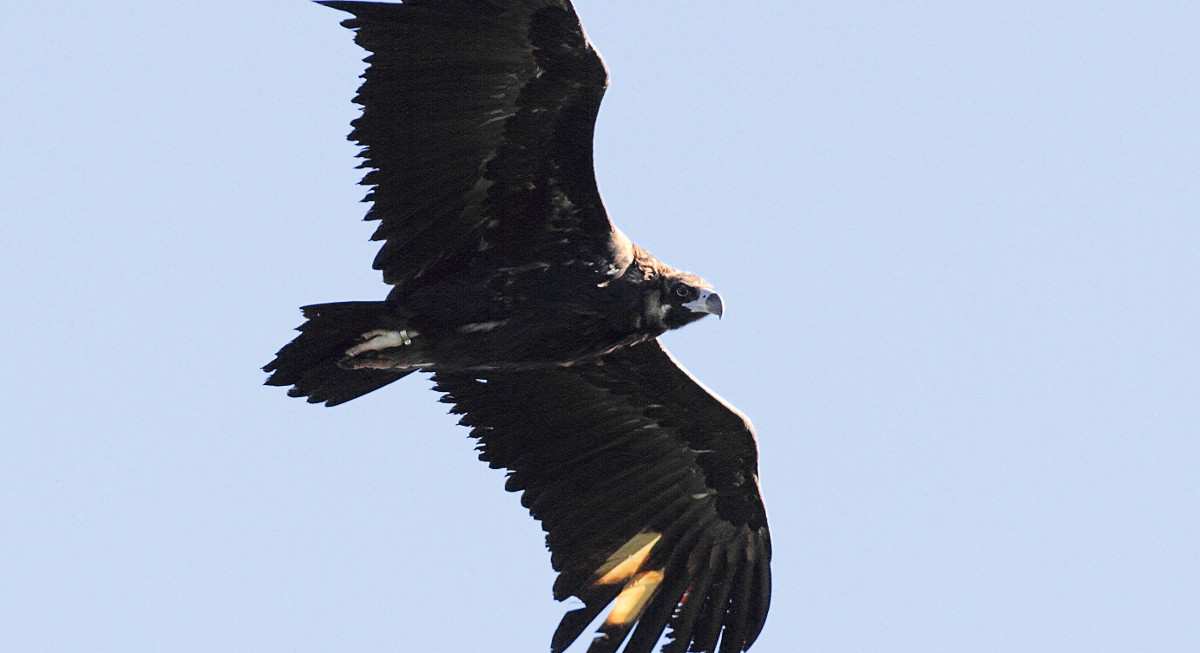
539 320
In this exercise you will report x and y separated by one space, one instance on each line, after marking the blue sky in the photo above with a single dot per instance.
959 245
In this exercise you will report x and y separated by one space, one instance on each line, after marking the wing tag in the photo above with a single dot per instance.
627 560
633 599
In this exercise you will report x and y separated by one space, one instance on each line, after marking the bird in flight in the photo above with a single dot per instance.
539 321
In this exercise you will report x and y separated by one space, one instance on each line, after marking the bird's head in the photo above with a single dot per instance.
687 298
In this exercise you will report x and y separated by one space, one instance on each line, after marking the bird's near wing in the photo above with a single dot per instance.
647 486
477 121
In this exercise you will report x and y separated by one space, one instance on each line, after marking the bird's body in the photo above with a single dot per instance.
539 320
538 314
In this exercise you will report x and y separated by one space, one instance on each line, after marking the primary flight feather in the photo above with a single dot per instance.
539 321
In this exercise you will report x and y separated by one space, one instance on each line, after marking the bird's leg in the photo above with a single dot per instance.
381 339
380 349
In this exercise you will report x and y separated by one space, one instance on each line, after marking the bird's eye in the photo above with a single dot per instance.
682 290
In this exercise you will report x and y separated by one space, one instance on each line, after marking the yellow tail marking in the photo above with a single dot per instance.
627 560
633 599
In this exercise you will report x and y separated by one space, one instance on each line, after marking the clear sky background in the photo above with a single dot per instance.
959 245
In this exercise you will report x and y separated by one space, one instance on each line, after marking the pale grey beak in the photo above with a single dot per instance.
707 302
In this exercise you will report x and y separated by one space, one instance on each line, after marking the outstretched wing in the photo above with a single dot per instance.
477 121
647 486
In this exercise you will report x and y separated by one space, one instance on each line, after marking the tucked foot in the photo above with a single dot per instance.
380 339
382 349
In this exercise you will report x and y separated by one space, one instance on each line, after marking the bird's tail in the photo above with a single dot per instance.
317 364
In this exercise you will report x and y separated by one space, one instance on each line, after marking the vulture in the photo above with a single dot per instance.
539 321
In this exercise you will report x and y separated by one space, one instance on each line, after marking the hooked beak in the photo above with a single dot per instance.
707 302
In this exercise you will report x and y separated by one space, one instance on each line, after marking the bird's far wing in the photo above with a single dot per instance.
647 486
477 122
